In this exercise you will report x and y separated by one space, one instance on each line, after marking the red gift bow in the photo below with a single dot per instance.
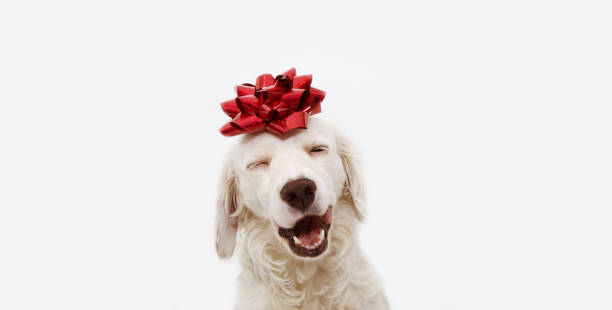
275 104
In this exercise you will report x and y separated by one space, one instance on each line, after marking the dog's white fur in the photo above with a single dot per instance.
272 276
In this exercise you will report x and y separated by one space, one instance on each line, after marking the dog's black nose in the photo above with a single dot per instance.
299 194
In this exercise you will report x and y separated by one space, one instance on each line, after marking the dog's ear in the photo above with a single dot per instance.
353 186
227 213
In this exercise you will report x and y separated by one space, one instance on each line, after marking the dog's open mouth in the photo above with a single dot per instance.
309 236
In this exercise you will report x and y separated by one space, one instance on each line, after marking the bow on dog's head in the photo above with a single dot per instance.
277 104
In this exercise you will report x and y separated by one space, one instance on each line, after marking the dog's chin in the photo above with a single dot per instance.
309 237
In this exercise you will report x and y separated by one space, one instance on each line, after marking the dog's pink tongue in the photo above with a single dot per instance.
310 237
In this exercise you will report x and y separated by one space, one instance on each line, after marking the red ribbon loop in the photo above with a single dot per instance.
277 104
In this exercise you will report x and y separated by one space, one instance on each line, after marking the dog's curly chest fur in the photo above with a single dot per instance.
273 279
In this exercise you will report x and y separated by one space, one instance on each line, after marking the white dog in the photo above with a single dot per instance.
295 201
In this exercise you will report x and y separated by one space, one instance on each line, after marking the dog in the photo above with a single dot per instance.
290 205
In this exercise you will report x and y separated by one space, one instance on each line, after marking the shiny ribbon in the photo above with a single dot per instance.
277 104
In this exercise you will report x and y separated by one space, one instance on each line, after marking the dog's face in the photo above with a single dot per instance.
293 181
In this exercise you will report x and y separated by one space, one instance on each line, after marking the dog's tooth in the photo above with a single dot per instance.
319 242
296 240
322 234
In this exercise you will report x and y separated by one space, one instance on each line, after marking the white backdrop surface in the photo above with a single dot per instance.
484 127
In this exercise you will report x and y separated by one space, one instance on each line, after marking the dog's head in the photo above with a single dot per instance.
294 182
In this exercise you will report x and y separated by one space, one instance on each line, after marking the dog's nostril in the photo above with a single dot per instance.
299 194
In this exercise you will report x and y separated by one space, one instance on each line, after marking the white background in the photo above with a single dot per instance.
484 126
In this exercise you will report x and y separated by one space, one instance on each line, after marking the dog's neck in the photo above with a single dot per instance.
268 260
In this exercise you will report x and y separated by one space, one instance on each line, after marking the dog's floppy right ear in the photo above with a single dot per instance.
227 211
353 185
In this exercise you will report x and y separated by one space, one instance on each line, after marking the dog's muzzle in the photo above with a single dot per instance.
310 234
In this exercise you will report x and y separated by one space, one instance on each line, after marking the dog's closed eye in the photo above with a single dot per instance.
318 149
258 164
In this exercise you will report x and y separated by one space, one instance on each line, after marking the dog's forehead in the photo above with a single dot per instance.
318 132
